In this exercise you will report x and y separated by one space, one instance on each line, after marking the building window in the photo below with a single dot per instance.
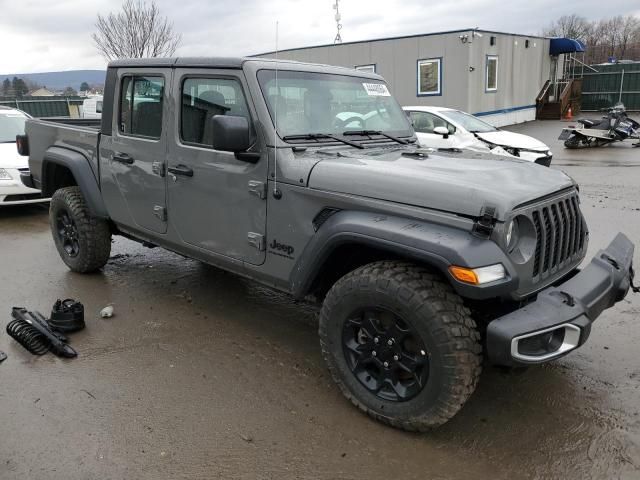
141 99
366 68
491 80
430 76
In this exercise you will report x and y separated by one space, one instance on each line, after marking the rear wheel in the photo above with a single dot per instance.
400 344
82 240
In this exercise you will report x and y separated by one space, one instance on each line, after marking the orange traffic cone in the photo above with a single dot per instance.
569 115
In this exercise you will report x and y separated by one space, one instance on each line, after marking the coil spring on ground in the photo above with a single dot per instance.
27 336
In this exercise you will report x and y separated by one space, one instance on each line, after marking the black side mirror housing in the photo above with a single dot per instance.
230 133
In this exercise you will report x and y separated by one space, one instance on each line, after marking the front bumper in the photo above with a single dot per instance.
560 319
14 192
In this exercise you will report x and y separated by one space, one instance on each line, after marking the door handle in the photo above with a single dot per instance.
122 158
181 170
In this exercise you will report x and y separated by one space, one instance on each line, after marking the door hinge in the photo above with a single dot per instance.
483 227
160 212
158 168
258 188
256 240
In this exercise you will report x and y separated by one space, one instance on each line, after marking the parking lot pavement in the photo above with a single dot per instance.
201 374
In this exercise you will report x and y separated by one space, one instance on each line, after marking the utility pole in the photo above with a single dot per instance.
336 7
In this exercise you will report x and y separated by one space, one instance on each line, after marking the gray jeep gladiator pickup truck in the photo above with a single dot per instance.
307 179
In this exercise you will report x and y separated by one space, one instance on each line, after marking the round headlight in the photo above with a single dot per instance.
511 238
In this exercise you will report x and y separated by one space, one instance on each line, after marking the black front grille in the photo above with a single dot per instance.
560 236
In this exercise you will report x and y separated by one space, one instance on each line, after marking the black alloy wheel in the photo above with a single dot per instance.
68 233
385 354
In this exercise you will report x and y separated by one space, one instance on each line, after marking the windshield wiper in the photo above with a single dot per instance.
376 132
317 136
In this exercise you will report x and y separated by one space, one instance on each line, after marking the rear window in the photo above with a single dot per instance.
141 99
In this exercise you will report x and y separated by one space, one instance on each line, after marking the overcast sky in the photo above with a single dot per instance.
52 35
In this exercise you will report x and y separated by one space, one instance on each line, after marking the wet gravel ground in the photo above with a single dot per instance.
201 374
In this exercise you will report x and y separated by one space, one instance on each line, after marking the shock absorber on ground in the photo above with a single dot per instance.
30 329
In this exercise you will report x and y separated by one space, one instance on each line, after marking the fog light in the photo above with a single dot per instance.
546 344
4 175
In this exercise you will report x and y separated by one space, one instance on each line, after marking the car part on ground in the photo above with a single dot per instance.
67 316
31 330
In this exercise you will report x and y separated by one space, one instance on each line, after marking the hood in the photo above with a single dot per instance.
10 158
516 140
460 183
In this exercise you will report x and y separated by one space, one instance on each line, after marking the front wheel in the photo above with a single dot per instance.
400 344
82 240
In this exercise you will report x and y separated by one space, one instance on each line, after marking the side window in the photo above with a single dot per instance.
491 81
204 98
141 99
425 122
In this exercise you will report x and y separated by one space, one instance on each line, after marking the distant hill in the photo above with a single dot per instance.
60 80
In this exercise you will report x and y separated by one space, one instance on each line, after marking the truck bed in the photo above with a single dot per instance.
78 135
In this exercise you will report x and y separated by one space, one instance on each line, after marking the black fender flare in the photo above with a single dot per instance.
79 166
439 246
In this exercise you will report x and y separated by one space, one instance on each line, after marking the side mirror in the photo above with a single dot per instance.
230 133
444 131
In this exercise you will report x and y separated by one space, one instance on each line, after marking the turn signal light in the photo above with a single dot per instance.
465 275
478 276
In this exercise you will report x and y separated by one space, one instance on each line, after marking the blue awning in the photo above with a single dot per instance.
565 45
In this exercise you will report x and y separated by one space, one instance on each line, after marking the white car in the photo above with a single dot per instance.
439 127
12 191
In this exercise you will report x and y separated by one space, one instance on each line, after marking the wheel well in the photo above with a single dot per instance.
344 259
56 176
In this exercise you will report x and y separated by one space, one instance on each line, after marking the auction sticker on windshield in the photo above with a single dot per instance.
376 89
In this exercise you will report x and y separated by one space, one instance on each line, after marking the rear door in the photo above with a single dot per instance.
216 202
134 155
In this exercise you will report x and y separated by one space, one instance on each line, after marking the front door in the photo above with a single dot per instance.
216 202
424 123
133 157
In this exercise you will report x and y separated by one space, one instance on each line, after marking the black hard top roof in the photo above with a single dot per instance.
217 62
230 62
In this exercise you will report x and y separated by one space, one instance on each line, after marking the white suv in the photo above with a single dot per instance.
12 191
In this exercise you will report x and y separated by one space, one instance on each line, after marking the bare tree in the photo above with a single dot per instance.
629 30
569 26
138 31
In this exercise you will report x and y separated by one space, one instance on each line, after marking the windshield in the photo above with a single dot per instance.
468 122
11 124
320 103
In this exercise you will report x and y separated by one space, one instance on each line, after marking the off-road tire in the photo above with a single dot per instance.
94 235
426 302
